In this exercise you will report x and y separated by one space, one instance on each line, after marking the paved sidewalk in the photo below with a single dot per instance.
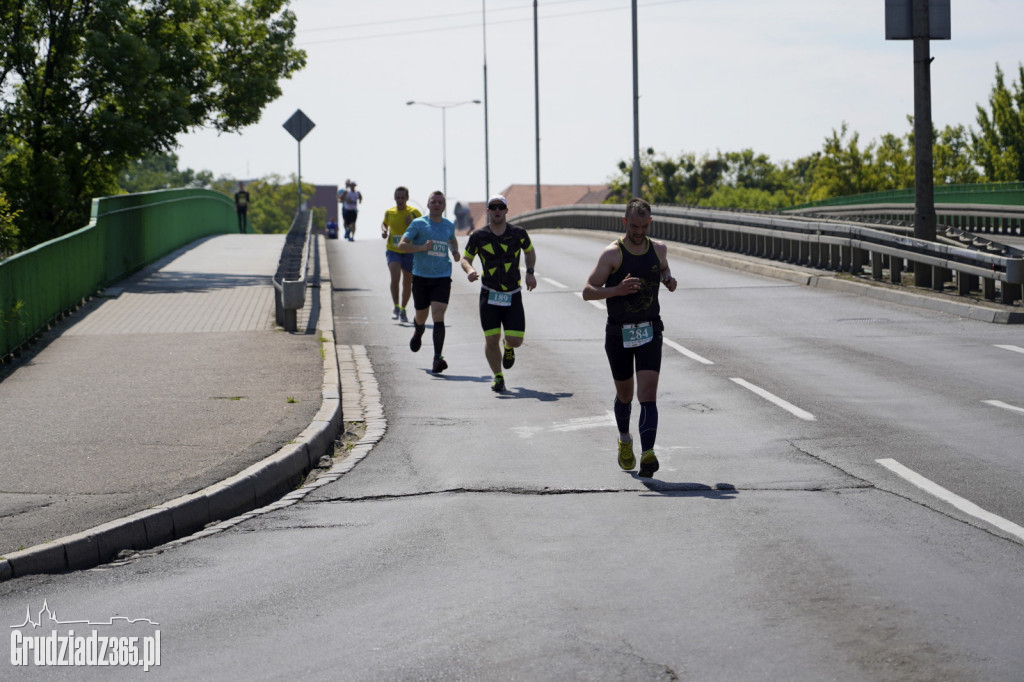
173 381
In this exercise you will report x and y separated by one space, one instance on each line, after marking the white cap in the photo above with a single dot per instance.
497 197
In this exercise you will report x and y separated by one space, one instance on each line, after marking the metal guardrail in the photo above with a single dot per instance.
290 278
991 219
842 246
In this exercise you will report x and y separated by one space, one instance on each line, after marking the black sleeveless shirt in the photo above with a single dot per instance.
641 306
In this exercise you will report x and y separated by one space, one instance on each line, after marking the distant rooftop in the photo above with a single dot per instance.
523 198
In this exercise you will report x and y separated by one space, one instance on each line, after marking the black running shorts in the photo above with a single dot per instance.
426 290
623 360
494 317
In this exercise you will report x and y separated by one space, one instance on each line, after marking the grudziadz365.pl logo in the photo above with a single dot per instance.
121 641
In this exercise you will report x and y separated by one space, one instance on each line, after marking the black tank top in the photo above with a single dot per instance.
641 306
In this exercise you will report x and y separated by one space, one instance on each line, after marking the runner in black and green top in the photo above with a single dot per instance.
499 245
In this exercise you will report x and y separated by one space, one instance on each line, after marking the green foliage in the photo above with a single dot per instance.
159 170
8 230
954 162
12 316
999 144
89 86
843 166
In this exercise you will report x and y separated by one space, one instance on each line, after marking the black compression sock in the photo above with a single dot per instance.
438 338
622 412
648 425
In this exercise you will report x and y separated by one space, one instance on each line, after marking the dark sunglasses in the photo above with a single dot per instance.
496 207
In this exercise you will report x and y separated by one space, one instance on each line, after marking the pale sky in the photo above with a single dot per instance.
775 76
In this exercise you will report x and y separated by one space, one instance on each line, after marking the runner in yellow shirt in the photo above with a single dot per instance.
396 220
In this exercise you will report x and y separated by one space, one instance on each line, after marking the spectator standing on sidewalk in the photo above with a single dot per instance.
242 206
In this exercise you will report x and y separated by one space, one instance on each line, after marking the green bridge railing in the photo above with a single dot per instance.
1002 193
125 233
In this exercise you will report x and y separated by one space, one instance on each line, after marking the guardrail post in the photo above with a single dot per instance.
895 270
1009 292
877 263
988 288
965 283
857 259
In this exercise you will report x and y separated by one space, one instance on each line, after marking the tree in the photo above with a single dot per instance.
893 164
953 159
8 231
88 86
999 144
843 167
159 170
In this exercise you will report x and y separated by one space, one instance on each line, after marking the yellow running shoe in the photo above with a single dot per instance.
626 459
648 464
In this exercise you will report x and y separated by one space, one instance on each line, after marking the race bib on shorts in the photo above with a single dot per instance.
499 298
636 335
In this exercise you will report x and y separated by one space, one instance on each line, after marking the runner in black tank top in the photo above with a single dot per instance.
641 306
628 276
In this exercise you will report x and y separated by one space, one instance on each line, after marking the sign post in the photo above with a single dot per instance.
921 21
299 126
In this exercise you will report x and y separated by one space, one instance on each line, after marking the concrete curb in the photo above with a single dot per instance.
259 485
824 279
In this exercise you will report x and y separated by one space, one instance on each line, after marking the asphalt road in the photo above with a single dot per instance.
812 518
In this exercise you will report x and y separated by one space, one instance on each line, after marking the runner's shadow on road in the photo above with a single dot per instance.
456 377
529 393
719 491
508 393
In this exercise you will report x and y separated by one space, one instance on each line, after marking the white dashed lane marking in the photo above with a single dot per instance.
687 352
770 397
1005 406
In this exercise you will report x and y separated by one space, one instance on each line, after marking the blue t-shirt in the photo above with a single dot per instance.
436 262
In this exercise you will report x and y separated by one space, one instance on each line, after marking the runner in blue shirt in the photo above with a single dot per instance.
431 240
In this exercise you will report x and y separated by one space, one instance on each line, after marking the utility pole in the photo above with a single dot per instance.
536 97
636 114
921 21
924 172
487 149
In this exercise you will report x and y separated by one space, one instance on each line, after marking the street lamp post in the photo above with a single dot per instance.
444 107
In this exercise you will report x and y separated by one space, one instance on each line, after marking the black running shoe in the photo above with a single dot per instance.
439 365
416 341
499 384
509 358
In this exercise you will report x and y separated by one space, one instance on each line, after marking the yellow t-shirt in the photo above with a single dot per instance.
397 222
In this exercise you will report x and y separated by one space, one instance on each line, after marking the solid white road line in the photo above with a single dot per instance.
787 406
1016 349
1005 406
554 283
597 304
687 352
960 503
